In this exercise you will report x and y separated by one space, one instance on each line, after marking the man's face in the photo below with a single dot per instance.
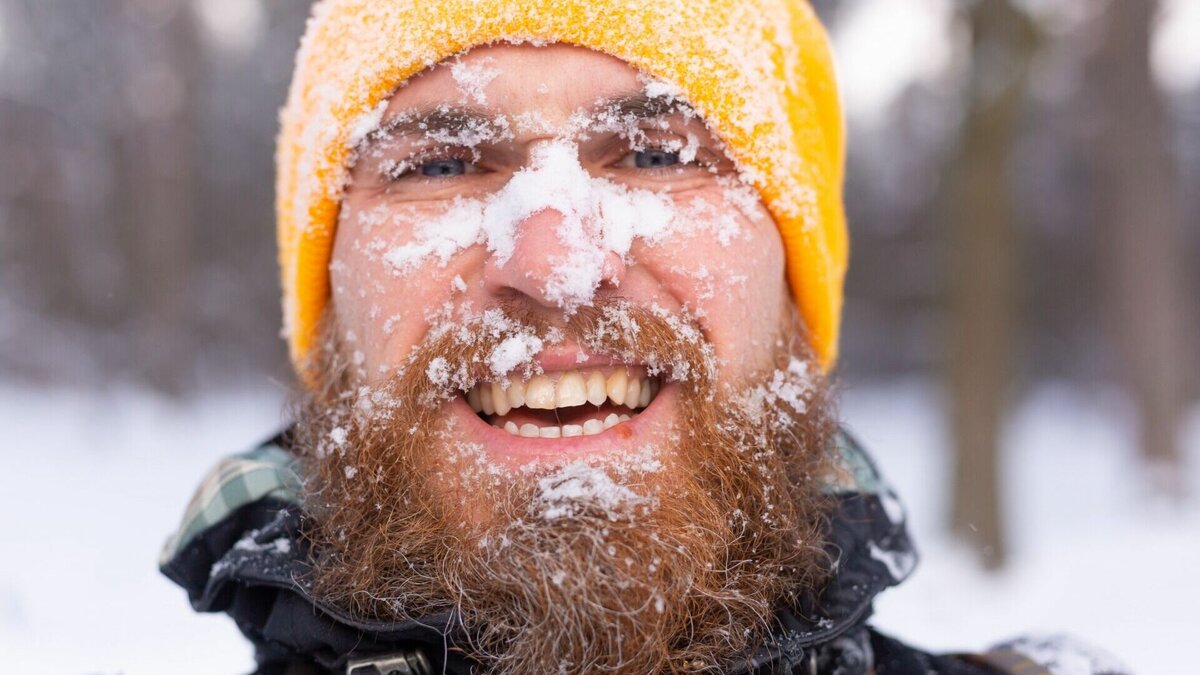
566 392
545 180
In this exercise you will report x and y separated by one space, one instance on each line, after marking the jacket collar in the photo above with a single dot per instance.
240 551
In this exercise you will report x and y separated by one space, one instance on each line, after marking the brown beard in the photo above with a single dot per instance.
681 571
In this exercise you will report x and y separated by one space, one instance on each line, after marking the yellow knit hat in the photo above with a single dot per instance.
759 71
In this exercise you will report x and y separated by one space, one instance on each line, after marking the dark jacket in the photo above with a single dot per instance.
239 551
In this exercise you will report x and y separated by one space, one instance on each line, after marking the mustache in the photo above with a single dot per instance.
502 341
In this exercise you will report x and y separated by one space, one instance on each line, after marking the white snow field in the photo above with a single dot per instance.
93 482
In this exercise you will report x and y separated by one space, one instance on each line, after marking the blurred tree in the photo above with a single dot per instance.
136 191
984 279
1138 210
158 186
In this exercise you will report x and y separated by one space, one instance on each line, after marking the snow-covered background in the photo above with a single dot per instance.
92 484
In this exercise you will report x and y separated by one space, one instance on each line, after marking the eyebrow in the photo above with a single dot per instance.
441 118
643 106
454 119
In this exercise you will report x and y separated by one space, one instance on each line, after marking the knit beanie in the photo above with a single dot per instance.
760 73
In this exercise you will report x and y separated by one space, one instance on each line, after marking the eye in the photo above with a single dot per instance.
446 167
654 158
430 167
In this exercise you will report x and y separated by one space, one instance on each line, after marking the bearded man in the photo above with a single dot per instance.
562 284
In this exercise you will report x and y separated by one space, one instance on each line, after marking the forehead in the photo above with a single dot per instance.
552 81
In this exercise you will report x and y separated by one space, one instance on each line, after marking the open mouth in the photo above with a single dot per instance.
565 404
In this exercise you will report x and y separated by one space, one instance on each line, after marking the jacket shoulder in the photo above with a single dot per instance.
267 471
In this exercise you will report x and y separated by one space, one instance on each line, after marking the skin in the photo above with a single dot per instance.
736 290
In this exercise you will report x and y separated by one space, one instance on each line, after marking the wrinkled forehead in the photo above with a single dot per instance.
549 90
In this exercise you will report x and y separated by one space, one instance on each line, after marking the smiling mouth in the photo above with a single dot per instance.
565 404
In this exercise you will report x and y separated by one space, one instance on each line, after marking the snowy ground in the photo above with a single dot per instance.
1093 551
92 484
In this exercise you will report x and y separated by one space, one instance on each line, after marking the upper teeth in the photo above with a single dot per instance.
571 389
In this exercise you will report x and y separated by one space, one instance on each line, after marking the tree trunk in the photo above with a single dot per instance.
1138 208
984 283
160 186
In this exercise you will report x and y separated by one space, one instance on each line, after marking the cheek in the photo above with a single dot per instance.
736 286
382 311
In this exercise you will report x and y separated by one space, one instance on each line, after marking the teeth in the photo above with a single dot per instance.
500 400
596 393
616 387
572 391
516 393
539 394
589 428
633 392
485 400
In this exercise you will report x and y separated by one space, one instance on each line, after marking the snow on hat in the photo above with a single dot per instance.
759 71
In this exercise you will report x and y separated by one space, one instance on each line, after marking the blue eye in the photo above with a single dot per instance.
655 159
443 168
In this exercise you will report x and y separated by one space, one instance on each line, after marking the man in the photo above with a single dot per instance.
562 283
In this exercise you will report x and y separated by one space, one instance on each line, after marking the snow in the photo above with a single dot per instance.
338 436
1065 655
899 564
438 372
792 386
598 217
439 238
579 486
513 352
94 482
473 79
1093 552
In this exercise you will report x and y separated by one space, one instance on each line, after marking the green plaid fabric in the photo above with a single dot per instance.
266 471
853 471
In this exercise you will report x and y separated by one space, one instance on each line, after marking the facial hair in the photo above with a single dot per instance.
671 561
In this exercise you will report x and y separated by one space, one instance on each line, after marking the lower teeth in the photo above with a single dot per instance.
588 428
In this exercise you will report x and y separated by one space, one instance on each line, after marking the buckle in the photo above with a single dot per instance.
399 663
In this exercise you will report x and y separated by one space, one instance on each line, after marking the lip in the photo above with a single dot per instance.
518 451
564 358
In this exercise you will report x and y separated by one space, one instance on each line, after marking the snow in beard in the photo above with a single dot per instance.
506 347
615 485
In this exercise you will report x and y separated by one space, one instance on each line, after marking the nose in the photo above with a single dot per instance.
542 262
